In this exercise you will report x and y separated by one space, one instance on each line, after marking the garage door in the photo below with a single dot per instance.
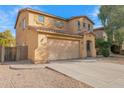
62 49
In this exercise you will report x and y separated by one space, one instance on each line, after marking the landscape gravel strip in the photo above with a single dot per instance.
36 78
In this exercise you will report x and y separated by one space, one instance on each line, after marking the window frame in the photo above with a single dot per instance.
78 25
43 19
24 23
59 24
84 25
89 27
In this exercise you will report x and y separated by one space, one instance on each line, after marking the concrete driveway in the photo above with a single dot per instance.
96 74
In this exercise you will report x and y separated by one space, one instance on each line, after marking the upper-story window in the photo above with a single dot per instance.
23 24
84 25
78 25
89 27
41 19
59 24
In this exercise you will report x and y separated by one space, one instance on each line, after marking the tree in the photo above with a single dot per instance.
7 39
119 38
112 17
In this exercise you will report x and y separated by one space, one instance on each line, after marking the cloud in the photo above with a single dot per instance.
3 17
96 11
17 8
4 27
8 15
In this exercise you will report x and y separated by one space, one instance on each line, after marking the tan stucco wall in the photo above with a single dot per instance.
91 38
29 38
41 52
72 24
32 42
25 37
48 21
20 36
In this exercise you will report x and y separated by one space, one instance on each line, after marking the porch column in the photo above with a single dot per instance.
84 47
81 48
93 49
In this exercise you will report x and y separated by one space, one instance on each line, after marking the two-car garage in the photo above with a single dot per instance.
63 49
53 46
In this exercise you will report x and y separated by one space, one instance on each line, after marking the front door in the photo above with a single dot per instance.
89 50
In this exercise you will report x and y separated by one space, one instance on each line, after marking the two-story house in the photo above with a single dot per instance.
50 37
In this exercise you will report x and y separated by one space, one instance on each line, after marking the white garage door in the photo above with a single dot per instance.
62 49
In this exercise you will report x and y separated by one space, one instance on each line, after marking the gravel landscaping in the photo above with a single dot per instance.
43 77
36 78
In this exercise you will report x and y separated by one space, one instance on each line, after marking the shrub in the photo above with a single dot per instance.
105 52
103 47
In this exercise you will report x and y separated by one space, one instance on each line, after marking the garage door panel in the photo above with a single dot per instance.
62 49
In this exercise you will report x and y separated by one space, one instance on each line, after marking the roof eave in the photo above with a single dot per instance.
36 11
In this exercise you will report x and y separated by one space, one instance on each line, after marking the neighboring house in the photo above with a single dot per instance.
50 37
100 33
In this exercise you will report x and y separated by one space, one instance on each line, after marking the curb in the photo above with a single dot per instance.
23 67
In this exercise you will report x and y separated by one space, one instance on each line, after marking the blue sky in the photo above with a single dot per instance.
8 13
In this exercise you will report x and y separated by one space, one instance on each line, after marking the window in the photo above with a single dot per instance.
41 19
91 28
59 24
88 27
24 24
84 25
78 25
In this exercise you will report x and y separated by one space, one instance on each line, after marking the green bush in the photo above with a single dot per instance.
105 52
103 47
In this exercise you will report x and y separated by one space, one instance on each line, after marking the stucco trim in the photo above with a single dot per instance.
62 38
59 34
81 17
90 33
